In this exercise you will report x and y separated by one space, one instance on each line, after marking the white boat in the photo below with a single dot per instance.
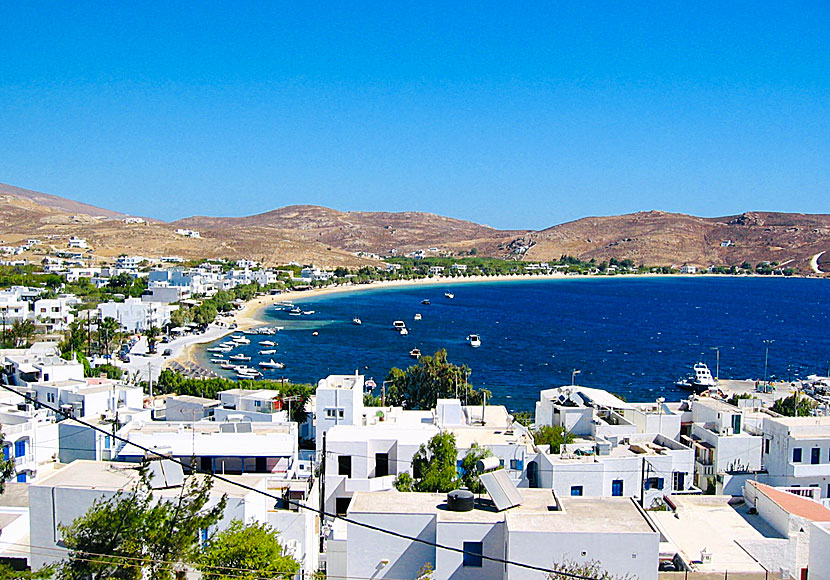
415 353
398 325
227 366
449 294
248 373
418 316
241 340
295 311
403 331
239 356
474 340
217 349
268 351
700 380
271 364
357 321
267 343
307 312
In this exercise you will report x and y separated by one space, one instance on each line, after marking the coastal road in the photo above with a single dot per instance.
814 263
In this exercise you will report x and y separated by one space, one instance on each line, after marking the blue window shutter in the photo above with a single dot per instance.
20 449
6 452
659 483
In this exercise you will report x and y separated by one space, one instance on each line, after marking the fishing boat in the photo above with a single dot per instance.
268 351
267 343
271 364
415 353
417 316
474 340
700 380
295 311
239 356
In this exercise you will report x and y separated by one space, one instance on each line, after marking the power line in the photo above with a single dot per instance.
320 512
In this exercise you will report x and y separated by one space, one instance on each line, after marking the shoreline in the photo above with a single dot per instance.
249 316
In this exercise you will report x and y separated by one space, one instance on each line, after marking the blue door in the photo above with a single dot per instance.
7 452
617 487
21 477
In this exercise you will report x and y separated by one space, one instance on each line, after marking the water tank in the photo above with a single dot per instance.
487 464
460 500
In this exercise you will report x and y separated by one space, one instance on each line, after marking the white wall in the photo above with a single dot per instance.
819 552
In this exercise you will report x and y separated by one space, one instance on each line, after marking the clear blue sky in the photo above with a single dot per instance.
514 117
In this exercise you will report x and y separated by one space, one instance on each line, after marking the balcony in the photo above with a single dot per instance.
810 469
371 484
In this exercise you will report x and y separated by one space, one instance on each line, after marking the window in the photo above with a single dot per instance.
50 397
332 413
654 483
381 464
472 554
576 490
766 446
257 403
517 464
678 480
20 448
341 505
815 455
617 487
797 455
344 465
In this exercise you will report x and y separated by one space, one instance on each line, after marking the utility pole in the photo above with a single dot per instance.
717 363
766 360
322 492
642 482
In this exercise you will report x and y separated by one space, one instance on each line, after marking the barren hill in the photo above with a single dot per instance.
327 237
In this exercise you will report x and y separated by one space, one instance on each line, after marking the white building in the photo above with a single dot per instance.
313 273
129 262
339 401
66 494
187 233
189 408
819 560
75 274
436 270
56 314
542 530
40 363
75 242
31 440
12 307
796 452
88 397
133 220
251 405
687 269
136 315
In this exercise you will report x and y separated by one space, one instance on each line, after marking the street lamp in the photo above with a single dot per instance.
573 375
717 362
766 360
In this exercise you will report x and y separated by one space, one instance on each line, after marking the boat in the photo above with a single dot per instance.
241 340
248 373
415 353
700 380
239 356
403 331
267 343
417 316
307 312
357 321
268 351
398 325
218 349
271 364
449 294
295 311
426 301
474 340
227 366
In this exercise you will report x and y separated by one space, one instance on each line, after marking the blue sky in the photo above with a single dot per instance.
517 117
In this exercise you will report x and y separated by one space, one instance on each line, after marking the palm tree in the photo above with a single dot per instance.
151 333
108 330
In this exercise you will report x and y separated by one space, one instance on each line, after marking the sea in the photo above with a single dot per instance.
634 336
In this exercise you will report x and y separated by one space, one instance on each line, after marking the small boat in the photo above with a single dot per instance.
357 321
474 340
295 311
248 373
268 351
271 364
449 294
307 312
398 325
239 356
426 301
227 366
218 361
315 333
403 331
700 380
415 353
241 340
217 349
267 343
417 316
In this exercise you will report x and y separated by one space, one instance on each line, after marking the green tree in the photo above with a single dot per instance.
568 569
152 334
132 534
788 407
404 482
552 436
433 465
6 466
246 551
108 331
432 378
469 473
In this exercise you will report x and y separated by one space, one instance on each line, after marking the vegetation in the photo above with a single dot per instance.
552 436
247 552
432 378
17 334
435 467
788 407
733 400
172 382
525 418
130 535
569 569
6 466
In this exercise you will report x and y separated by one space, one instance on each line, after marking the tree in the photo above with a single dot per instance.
246 551
469 473
6 466
567 569
432 378
787 406
404 482
553 436
152 333
433 465
108 330
131 533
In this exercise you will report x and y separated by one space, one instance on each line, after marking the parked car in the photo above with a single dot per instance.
167 352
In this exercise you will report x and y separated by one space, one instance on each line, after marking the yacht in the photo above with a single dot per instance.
271 364
399 325
268 343
474 340
415 353
241 340
227 366
418 316
239 356
295 311
700 380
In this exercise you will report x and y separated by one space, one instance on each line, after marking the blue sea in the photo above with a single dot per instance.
633 336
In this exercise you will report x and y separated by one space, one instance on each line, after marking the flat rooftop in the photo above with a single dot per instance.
116 476
537 512
208 428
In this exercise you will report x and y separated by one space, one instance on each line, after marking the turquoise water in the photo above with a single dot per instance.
633 336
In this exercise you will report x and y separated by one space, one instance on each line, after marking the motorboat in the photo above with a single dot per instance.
357 321
241 340
426 301
218 349
239 356
403 331
268 351
417 316
271 364
227 366
247 373
308 312
449 294
269 343
474 340
700 380
415 353
398 325
295 311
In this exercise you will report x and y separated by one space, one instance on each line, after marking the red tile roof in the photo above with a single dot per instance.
794 504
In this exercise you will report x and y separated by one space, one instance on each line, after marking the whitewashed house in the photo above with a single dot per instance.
796 452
